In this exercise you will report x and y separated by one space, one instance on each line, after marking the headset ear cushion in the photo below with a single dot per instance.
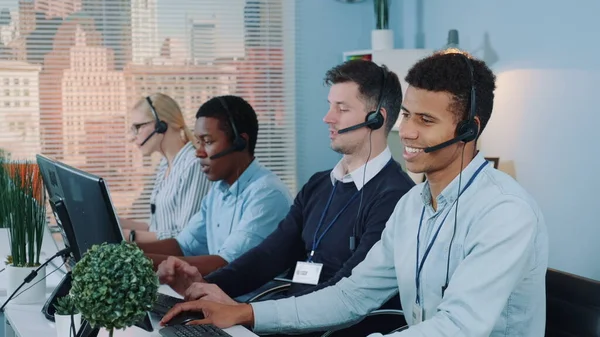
239 144
161 127
375 119
467 127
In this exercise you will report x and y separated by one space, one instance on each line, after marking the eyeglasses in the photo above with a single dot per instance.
135 128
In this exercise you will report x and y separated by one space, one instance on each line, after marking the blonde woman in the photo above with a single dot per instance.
157 125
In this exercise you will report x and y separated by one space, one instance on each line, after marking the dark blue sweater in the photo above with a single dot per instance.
293 239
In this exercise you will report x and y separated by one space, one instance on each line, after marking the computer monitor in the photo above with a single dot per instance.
84 209
55 198
90 209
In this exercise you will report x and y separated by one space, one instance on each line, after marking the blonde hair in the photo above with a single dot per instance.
167 110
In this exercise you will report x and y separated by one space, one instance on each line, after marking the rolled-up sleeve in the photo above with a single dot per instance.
193 239
261 214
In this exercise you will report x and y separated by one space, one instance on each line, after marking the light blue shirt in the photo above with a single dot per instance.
497 268
236 218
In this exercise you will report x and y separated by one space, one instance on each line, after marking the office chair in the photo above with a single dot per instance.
572 305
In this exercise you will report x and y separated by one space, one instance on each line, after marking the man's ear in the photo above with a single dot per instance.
478 123
383 111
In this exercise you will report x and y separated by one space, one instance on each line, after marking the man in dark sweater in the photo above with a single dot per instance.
338 215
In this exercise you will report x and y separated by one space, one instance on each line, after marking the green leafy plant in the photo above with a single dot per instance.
382 10
114 285
3 187
66 306
23 210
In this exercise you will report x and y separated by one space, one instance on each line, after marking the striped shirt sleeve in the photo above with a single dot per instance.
193 186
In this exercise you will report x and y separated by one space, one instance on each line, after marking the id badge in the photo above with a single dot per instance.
307 273
417 314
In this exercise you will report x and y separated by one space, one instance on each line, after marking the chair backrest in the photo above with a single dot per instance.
572 305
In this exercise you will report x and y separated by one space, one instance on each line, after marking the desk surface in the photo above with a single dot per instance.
28 320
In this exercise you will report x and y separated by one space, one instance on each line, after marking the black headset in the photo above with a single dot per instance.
374 119
159 126
239 143
466 130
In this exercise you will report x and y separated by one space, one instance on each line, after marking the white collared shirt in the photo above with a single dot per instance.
374 166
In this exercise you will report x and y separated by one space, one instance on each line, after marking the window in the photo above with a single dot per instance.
191 50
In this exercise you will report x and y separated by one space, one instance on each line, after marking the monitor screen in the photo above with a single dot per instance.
82 206
90 209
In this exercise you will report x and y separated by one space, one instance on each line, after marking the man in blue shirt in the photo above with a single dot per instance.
477 271
244 205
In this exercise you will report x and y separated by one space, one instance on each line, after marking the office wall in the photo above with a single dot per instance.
324 30
545 121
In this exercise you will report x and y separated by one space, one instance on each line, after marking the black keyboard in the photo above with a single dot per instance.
193 331
164 303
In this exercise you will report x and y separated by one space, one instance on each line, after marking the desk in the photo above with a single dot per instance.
28 320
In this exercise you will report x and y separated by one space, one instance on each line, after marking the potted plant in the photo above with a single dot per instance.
3 187
114 286
23 212
66 318
382 37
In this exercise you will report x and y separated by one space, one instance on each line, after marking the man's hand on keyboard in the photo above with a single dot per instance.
178 274
209 292
218 314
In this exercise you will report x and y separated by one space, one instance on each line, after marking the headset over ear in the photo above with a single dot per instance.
239 143
467 130
374 119
159 126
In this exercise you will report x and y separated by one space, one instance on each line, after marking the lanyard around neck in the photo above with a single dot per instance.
317 241
419 266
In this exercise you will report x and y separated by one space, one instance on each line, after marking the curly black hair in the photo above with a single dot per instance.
446 71
369 77
242 113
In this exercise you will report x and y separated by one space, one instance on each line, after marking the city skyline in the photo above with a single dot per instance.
175 16
91 71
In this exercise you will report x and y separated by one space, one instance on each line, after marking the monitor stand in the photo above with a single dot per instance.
61 290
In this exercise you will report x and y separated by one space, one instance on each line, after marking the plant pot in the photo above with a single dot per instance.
382 39
35 294
63 324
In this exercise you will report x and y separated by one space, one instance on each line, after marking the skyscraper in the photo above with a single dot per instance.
144 31
19 109
79 87
57 8
128 27
203 44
